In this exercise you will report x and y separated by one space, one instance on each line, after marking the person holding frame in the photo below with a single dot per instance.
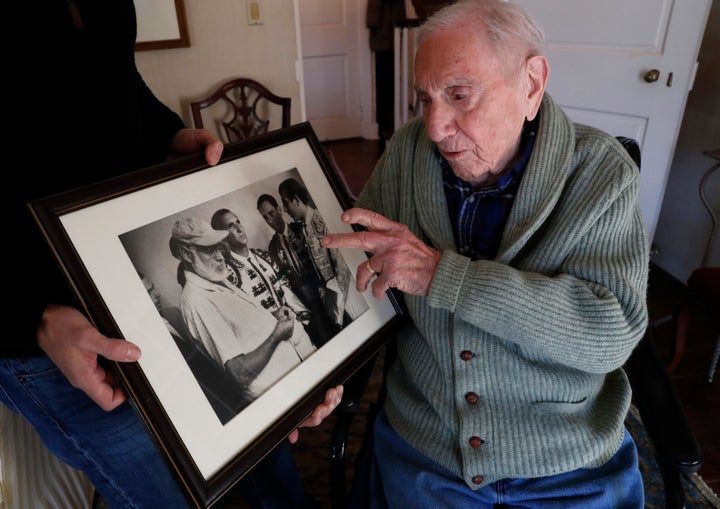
53 368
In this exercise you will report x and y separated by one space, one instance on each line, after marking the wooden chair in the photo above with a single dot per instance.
244 108
676 449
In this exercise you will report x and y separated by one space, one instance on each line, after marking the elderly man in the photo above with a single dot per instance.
255 346
516 239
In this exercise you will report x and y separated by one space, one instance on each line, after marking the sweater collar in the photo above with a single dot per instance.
545 174
543 179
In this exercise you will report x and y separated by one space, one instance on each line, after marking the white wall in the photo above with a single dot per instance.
684 224
224 46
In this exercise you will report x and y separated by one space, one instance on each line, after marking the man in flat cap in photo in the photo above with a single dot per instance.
254 346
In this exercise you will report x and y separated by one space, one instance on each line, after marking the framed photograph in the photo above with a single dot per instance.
217 273
161 24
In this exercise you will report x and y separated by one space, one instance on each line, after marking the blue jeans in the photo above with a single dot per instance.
404 478
114 450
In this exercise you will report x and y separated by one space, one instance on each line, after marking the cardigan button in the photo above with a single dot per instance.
476 442
471 398
477 479
466 355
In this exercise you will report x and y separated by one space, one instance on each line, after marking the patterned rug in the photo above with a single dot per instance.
698 494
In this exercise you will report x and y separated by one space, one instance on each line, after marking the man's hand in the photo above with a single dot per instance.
284 326
283 313
400 260
332 399
188 141
74 344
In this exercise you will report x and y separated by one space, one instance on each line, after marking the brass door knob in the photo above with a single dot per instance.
651 76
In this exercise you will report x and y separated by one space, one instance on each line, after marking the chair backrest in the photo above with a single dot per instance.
244 108
632 147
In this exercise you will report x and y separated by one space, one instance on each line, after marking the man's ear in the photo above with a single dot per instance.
186 254
537 71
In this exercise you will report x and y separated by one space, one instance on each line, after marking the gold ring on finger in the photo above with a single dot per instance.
372 271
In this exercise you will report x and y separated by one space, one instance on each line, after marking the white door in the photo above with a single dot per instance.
603 57
336 67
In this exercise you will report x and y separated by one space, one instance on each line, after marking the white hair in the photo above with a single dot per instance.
509 29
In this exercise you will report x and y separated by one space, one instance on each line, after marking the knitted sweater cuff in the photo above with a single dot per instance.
447 282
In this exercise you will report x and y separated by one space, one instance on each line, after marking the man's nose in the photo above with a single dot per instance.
439 121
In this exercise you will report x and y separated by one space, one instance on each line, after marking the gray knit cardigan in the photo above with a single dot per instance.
539 333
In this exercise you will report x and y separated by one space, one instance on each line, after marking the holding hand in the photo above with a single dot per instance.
188 141
400 260
74 344
283 313
333 397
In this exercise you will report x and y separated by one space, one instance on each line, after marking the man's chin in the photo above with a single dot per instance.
216 277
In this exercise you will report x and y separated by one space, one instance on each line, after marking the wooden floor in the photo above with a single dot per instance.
356 158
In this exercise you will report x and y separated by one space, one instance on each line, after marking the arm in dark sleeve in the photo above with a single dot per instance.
108 122
158 124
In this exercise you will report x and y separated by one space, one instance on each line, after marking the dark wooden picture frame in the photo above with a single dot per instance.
105 235
152 32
